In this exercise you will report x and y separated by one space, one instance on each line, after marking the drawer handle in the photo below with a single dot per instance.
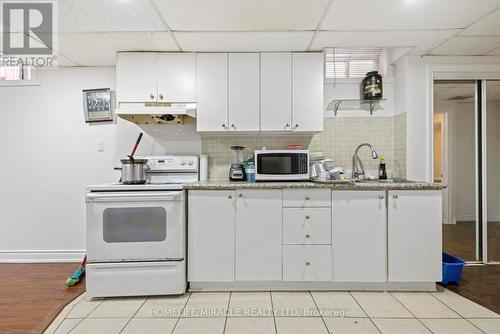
308 236
308 263
308 198
308 217
381 197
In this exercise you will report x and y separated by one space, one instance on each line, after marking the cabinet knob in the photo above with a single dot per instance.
161 97
308 236
296 125
229 196
233 126
395 196
308 217
287 126
151 96
308 263
381 197
240 195
224 126
308 198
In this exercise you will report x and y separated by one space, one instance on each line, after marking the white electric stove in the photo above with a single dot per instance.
136 233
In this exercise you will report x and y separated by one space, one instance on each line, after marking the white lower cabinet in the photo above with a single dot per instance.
307 263
359 236
306 226
414 235
211 227
258 235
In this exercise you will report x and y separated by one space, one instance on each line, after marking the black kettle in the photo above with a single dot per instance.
371 86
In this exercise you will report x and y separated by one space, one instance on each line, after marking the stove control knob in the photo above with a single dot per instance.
190 162
183 162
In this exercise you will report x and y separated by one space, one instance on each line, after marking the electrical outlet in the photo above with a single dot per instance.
100 146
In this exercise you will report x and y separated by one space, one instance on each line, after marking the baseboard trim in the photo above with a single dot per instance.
41 256
471 218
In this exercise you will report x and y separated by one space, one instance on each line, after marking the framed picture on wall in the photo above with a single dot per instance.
98 105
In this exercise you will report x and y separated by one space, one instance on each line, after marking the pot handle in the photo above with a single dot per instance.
117 168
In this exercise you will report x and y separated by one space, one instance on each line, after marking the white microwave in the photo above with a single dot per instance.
281 165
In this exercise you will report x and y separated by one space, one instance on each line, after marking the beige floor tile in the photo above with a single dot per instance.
400 326
149 326
424 305
200 326
351 326
207 304
67 325
163 307
250 304
300 326
381 305
463 306
250 326
337 304
450 326
101 326
83 308
118 308
294 304
489 326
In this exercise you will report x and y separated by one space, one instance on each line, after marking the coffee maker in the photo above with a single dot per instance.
237 170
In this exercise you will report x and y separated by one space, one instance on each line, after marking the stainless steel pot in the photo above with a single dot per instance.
134 171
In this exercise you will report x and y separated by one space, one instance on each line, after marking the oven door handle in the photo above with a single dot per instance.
133 197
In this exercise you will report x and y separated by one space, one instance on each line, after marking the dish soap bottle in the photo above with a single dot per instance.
382 172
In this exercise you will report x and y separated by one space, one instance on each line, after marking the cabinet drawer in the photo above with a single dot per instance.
307 263
306 197
306 226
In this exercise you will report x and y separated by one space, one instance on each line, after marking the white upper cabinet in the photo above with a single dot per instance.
212 92
414 235
176 77
136 77
276 91
307 92
244 97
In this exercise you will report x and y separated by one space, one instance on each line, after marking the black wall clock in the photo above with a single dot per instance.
98 105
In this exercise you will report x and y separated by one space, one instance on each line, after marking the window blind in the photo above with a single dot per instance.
346 63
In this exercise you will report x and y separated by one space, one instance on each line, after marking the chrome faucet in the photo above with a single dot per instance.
358 171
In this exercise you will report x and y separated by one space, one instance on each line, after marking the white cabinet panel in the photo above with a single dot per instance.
211 228
307 263
176 77
359 236
136 77
414 233
212 92
244 97
306 226
258 235
307 92
276 91
306 197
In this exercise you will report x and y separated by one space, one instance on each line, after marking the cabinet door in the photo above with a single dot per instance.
136 77
211 90
276 91
307 91
414 232
244 98
211 226
258 235
359 236
176 77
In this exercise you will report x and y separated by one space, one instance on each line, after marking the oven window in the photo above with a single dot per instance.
134 224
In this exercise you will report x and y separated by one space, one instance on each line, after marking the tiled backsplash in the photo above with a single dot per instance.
338 141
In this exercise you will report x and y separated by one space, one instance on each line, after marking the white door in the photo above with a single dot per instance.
307 91
135 226
258 235
359 236
211 218
276 91
136 77
176 77
244 97
414 235
212 92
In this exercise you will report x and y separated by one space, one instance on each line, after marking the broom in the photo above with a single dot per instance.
78 274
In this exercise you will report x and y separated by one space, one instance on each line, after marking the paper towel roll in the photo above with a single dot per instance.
203 167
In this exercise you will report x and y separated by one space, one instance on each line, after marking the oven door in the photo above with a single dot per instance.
135 226
282 166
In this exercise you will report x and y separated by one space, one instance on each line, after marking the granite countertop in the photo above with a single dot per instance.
370 185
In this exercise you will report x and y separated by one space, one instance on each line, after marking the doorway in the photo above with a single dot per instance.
466 144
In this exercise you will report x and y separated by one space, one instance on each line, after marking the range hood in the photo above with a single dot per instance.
156 112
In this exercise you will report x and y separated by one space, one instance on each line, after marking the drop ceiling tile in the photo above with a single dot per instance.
244 41
487 26
422 40
110 15
467 46
99 49
406 14
242 15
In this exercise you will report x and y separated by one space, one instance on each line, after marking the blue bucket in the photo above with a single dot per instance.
452 269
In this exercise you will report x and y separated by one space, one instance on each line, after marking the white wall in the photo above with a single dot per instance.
49 154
